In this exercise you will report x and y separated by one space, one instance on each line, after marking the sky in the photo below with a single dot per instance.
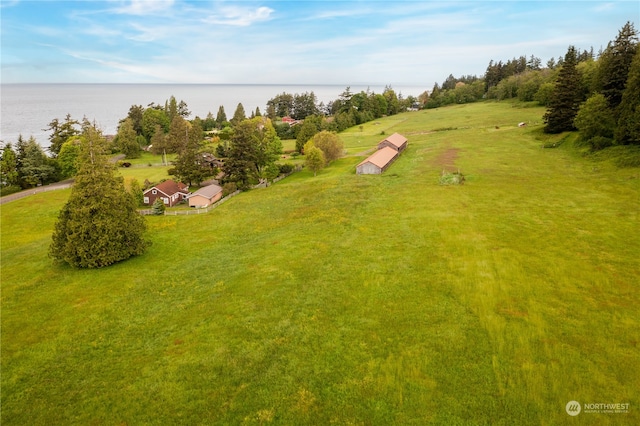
291 42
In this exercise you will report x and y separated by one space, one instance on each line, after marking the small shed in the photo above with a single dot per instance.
377 162
395 141
205 196
169 191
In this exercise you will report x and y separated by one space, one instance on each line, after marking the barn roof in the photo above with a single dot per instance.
381 157
396 140
208 191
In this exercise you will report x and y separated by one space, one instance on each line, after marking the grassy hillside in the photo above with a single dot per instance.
348 299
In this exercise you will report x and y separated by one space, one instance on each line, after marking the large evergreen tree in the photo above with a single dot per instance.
628 129
254 148
566 98
8 166
269 145
615 63
135 114
34 167
189 165
99 224
61 132
178 134
304 105
221 117
127 139
238 115
242 156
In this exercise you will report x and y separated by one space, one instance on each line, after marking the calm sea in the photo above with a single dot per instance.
27 109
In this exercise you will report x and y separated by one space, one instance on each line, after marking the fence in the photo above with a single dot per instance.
149 212
202 210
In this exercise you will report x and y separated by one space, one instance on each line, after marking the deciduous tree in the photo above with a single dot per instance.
330 144
310 126
151 118
68 157
595 119
314 158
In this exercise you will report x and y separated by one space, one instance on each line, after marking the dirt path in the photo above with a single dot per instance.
52 187
447 160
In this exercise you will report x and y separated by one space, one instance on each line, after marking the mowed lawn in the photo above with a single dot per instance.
348 299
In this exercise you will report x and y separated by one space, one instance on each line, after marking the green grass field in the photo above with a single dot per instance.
348 299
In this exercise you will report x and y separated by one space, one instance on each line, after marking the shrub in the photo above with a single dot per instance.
448 178
286 168
600 142
229 188
11 189
158 207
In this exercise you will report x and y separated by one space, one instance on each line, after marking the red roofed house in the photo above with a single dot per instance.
171 193
395 141
290 121
205 196
377 162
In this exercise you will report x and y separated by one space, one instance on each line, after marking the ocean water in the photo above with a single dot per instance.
27 109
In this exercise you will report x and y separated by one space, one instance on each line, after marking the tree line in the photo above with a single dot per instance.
595 94
165 129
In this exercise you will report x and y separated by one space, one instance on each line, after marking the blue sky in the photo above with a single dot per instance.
290 42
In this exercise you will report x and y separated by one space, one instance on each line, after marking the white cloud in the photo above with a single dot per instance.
604 7
144 7
8 3
239 16
144 34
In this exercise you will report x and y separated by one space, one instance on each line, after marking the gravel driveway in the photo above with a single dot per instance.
52 187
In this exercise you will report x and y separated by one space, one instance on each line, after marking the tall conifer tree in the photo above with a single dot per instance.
99 225
615 63
190 167
628 129
566 98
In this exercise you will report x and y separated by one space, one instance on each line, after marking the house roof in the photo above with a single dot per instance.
381 157
170 187
396 140
208 191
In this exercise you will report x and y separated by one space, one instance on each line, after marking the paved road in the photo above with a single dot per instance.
52 187
58 185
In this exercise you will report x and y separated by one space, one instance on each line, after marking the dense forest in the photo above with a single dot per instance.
597 95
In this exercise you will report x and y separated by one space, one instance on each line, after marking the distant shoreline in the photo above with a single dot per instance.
28 108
